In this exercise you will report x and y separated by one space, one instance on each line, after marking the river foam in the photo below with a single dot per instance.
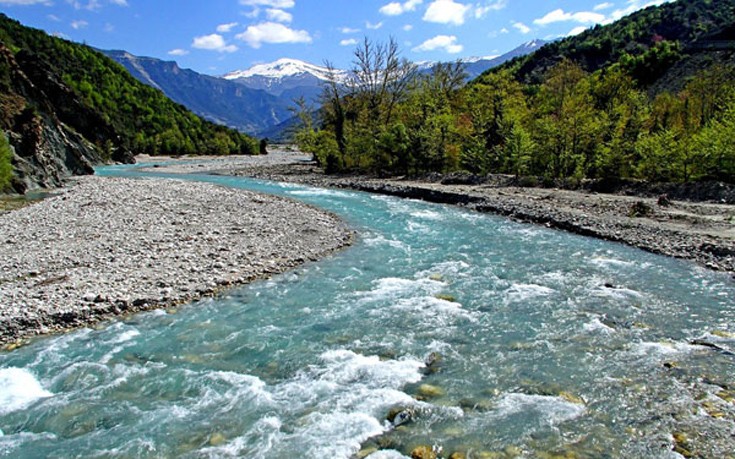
18 389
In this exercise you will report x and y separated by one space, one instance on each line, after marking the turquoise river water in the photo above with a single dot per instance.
537 356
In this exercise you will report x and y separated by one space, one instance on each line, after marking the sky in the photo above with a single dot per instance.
218 36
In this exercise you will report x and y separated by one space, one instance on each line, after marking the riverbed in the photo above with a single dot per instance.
496 338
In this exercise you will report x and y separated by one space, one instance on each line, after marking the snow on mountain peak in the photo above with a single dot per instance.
283 68
536 43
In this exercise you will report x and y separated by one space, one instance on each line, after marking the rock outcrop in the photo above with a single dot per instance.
52 135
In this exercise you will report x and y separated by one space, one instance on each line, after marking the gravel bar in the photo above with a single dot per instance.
110 246
702 232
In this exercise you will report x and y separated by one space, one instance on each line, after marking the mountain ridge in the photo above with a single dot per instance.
218 100
66 107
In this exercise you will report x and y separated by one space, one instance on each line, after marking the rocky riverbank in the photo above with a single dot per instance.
703 232
105 247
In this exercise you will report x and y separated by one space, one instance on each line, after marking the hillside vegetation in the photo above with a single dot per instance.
647 43
651 97
63 86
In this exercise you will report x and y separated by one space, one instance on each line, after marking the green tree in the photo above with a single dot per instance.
6 166
567 123
716 143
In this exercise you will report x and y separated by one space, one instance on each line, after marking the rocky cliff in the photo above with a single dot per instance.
50 132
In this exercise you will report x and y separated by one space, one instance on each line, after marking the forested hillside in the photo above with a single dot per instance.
647 43
649 97
66 105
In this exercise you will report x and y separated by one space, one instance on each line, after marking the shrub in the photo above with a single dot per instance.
6 166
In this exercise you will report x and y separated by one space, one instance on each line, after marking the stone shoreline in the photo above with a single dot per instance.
108 246
702 232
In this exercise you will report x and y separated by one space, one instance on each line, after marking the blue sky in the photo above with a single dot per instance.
218 36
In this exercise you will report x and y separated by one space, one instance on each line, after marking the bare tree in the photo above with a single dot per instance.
380 78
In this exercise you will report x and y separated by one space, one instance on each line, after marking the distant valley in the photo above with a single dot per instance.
259 100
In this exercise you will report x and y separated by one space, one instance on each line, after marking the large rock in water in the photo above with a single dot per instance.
46 126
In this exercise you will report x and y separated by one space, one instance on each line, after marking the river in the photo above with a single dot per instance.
542 343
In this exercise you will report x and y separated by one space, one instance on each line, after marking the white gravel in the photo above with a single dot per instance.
110 246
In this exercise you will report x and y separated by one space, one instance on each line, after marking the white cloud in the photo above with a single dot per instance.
253 14
497 5
446 12
281 4
559 15
372 26
392 9
50 17
447 43
272 32
213 42
407 27
93 5
178 52
277 15
348 42
348 30
398 8
80 24
26 2
603 6
576 31
521 27
226 28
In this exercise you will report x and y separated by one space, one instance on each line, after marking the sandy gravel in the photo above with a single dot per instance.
110 246
703 232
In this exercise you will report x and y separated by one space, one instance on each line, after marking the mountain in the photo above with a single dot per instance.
673 37
475 68
288 79
65 107
219 100
292 78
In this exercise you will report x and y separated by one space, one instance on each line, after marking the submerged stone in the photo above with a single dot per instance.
446 297
429 391
571 398
217 439
365 452
723 334
399 416
424 452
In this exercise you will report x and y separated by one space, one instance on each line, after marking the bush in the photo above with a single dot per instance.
6 166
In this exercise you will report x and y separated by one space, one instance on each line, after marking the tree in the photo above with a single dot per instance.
493 106
6 166
567 123
716 143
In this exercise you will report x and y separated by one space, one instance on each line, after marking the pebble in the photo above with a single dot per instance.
106 246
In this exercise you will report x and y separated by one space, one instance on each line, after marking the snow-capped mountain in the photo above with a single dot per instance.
288 78
475 66
475 69
258 100
283 68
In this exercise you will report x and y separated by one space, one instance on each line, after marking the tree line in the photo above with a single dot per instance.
570 125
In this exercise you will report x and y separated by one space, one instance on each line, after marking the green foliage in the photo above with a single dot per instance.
144 120
6 167
716 143
648 40
583 116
